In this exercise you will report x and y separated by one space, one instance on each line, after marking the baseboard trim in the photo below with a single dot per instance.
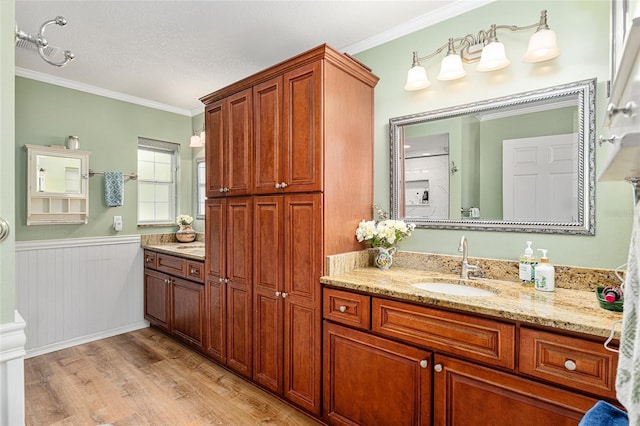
84 339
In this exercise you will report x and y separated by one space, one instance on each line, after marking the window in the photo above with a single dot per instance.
157 183
200 188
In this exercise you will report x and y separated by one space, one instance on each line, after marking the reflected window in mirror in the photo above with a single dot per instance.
522 163
201 176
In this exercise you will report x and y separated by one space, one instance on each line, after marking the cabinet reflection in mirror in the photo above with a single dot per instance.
522 163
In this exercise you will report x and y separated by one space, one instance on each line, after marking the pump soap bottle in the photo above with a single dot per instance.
527 263
545 274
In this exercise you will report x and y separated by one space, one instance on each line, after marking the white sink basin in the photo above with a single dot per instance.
454 289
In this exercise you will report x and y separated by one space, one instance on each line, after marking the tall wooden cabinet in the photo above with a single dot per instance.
309 131
228 286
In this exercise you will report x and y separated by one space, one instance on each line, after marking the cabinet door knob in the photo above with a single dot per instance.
226 280
602 139
283 185
284 295
220 280
221 190
424 363
277 185
342 308
570 365
437 368
627 110
278 293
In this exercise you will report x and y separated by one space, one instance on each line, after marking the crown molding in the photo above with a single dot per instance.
419 22
46 78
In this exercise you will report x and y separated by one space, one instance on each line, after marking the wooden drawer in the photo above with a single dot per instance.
195 271
347 308
569 361
149 259
491 342
171 264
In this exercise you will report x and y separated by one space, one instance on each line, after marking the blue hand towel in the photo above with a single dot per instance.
604 414
113 189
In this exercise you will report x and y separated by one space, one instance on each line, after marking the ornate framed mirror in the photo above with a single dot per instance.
521 163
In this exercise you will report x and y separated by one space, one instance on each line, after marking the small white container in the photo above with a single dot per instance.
73 142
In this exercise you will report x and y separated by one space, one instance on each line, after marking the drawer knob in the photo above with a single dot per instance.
424 363
437 368
570 365
342 308
193 270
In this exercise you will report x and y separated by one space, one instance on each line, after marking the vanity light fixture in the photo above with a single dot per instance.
486 48
41 43
197 139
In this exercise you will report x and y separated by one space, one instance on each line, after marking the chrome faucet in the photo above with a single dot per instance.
464 272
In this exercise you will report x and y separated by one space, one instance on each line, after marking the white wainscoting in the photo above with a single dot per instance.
77 290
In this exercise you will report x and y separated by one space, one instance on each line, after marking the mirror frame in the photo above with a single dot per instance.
585 225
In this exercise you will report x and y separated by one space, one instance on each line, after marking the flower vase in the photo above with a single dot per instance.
384 257
185 234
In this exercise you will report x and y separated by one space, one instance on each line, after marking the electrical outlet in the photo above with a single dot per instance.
117 223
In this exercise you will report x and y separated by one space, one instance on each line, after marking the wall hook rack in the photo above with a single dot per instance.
41 43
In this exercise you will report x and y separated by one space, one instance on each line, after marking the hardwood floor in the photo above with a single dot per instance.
144 378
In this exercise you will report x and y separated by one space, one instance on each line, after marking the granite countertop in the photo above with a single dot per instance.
564 309
166 243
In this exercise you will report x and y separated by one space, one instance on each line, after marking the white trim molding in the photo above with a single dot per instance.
12 353
87 88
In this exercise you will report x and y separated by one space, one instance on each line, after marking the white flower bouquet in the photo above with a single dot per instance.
385 233
184 219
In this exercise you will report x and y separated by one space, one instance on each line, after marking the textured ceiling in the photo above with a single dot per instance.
174 52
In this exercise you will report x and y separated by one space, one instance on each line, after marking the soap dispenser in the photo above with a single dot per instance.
527 263
545 277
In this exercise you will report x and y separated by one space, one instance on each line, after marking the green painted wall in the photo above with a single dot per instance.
583 35
46 114
7 247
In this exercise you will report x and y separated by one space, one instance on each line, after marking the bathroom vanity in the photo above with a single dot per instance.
174 290
396 354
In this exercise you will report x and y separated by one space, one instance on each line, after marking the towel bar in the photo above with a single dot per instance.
133 176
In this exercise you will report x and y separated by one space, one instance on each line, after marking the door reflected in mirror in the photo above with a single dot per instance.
59 175
521 163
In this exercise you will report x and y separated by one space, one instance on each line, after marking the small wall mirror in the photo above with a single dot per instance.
522 163
58 191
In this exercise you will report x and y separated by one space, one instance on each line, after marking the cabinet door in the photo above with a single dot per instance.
303 263
187 311
267 291
215 241
303 128
156 298
374 381
466 394
215 151
239 269
267 122
239 146
215 287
